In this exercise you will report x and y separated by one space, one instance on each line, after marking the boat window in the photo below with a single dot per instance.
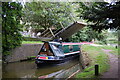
71 48
45 50
66 49
76 48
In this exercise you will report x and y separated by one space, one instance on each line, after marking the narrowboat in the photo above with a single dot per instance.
55 52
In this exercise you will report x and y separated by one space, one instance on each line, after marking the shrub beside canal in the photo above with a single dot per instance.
97 56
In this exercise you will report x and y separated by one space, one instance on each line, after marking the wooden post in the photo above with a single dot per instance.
116 46
51 32
62 25
96 70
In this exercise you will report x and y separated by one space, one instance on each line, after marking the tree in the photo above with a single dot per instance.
11 15
87 34
102 15
46 14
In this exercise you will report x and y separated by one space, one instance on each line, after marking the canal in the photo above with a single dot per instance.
28 69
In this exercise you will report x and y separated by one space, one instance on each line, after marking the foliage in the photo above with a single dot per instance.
88 34
11 15
102 15
46 14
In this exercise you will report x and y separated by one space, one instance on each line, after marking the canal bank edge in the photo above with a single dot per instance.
97 56
84 61
23 52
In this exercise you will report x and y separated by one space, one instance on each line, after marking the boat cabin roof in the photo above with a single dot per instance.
69 43
55 43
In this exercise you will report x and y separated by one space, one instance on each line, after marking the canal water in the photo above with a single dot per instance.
28 69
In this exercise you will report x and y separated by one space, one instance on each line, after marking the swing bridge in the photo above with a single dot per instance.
63 33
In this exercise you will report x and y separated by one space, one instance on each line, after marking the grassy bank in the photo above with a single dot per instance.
97 56
31 42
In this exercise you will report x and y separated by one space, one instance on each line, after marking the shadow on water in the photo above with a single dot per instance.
29 69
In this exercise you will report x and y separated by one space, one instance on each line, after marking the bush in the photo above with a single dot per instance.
11 15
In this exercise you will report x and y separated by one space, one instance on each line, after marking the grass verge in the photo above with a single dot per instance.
31 42
97 56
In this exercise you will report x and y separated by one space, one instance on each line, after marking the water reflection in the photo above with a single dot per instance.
28 69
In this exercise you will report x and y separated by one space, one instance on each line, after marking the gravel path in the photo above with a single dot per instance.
113 61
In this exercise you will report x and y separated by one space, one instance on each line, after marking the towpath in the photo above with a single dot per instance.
113 61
